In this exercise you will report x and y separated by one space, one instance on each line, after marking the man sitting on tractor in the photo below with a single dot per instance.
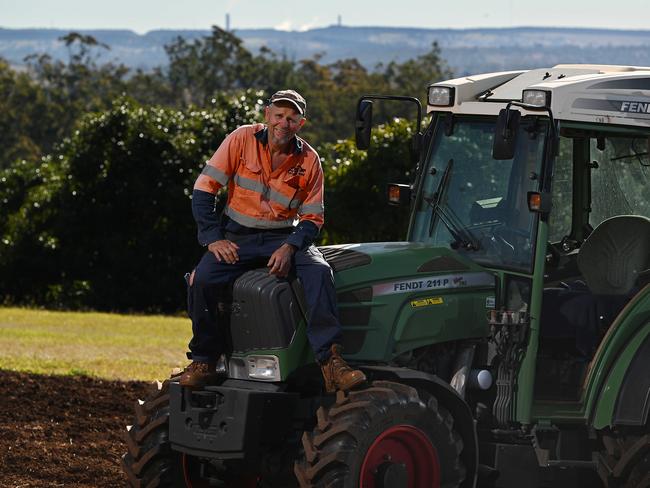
273 178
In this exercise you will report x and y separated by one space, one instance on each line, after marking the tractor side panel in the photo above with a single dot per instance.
407 295
443 317
398 315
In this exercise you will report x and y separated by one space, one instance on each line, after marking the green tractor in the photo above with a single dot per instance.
506 342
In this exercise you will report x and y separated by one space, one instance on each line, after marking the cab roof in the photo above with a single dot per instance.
580 92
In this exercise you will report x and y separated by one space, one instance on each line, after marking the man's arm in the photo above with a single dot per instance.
311 219
311 212
303 235
207 220
210 233
215 174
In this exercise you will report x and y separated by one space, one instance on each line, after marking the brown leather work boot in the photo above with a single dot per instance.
198 374
338 374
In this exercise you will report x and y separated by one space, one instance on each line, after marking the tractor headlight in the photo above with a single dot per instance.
265 368
536 98
441 96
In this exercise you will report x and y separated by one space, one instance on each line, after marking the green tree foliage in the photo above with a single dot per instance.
25 121
78 86
105 222
414 75
39 107
199 69
332 92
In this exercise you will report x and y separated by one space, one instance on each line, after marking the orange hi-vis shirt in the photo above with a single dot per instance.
258 196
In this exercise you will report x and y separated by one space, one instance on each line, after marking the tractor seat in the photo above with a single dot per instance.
614 254
610 260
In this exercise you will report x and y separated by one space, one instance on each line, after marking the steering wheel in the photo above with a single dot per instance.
496 241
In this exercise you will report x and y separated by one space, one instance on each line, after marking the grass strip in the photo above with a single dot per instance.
103 345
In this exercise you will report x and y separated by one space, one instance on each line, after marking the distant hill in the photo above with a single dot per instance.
466 50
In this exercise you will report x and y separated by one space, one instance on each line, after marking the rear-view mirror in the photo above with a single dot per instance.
416 147
505 135
363 124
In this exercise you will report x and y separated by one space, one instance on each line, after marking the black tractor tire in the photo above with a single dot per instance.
342 450
625 460
150 461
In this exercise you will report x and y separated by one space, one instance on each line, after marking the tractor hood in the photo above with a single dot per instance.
373 262
396 296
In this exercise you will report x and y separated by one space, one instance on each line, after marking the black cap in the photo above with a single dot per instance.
291 96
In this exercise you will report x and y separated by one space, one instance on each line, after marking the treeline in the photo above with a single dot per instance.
97 163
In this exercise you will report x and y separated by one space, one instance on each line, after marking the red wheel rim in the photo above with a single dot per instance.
405 445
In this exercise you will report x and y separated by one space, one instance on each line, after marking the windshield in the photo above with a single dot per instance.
481 207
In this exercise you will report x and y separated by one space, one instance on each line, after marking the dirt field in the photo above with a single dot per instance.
67 431
63 430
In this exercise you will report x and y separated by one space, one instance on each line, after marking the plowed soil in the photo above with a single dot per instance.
64 430
67 431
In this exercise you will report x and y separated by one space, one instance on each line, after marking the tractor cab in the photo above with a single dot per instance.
587 248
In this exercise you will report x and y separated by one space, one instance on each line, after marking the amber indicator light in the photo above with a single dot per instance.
393 193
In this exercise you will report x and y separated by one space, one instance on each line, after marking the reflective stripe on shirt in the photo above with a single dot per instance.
215 174
312 208
257 223
268 193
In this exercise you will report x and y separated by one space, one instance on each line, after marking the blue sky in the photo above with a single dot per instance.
144 15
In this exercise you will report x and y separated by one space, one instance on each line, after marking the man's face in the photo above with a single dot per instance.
283 121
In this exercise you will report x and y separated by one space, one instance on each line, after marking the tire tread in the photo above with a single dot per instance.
331 448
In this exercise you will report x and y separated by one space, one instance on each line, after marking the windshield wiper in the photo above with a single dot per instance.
462 237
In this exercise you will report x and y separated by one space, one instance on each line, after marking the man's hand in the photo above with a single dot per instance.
280 262
224 250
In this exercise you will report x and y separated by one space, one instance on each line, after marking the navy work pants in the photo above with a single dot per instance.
211 276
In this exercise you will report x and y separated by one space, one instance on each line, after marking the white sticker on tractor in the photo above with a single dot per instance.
440 282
